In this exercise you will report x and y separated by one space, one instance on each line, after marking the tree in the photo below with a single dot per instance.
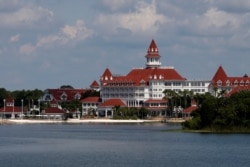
66 87
89 93
170 95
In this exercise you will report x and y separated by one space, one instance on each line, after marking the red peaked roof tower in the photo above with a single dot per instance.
153 56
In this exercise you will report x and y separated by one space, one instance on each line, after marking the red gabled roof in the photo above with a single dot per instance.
57 93
112 103
9 109
53 110
91 100
153 50
107 73
225 80
220 75
138 76
238 89
192 108
94 84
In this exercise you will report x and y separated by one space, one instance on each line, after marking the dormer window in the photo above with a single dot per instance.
64 96
77 96
142 82
235 83
241 83
228 83
247 83
48 97
219 83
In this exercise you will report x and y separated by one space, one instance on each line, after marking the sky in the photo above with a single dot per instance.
50 43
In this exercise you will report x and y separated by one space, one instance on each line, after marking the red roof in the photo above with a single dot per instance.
54 110
142 76
238 89
9 109
153 51
91 100
192 108
70 93
221 76
94 84
112 103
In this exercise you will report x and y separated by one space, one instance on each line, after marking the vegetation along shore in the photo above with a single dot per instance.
221 114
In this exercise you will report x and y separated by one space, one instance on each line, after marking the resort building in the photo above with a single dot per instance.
62 94
145 86
9 110
90 105
224 84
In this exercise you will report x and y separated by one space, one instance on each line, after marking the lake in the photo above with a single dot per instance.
112 145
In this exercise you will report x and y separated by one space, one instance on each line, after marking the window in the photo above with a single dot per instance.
177 84
219 83
241 83
235 83
168 83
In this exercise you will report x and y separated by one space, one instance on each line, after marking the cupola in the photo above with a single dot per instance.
153 56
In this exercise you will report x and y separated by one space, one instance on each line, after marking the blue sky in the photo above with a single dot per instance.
46 44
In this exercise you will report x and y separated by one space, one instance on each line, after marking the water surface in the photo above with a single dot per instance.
113 145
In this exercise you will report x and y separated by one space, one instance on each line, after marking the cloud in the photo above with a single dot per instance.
66 36
14 38
144 19
25 17
27 49
215 18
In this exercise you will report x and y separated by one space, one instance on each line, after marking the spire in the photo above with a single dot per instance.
153 56
220 75
153 50
107 75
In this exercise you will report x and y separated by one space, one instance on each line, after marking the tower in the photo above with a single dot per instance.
153 56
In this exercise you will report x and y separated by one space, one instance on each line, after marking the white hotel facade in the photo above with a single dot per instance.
146 85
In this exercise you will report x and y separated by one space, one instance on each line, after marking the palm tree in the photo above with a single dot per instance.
170 95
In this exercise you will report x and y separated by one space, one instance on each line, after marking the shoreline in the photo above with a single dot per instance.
72 121
80 121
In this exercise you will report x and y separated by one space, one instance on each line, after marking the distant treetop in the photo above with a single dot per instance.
66 87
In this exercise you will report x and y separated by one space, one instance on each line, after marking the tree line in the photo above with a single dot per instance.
220 113
27 98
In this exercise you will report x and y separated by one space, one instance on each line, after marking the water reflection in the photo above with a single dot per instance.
118 145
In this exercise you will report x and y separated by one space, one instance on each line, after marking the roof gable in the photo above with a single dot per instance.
220 75
112 103
69 94
94 84
153 50
91 99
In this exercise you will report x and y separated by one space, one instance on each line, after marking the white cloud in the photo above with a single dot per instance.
14 38
215 18
27 49
144 20
67 34
24 17
77 32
